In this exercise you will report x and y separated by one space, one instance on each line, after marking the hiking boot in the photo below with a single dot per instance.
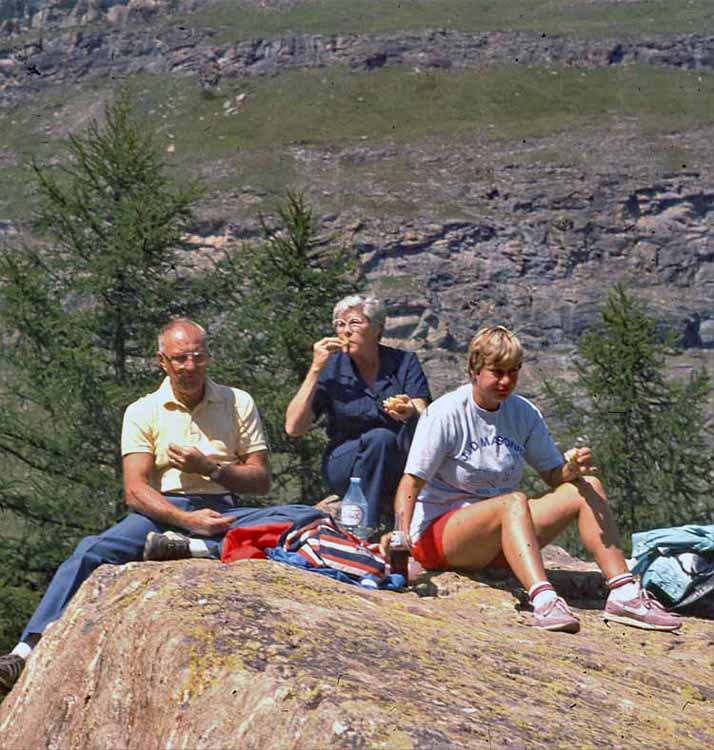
167 546
556 615
644 611
11 665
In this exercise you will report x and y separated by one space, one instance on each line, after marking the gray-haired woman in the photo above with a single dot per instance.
371 396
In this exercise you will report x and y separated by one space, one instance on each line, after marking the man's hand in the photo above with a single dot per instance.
322 349
400 408
206 522
142 498
190 460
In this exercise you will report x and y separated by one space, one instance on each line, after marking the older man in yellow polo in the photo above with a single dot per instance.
189 449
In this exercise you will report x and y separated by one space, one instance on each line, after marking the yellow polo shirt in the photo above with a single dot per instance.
224 426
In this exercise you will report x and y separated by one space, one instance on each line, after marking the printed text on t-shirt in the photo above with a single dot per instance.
484 442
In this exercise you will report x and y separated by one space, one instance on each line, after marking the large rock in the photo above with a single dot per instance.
194 654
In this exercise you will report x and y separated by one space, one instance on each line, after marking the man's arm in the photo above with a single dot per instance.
249 475
142 498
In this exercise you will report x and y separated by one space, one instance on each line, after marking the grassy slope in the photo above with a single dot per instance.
591 18
338 107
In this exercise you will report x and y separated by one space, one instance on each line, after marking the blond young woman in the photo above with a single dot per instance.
460 503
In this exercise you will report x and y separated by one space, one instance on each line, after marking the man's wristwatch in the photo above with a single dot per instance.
213 476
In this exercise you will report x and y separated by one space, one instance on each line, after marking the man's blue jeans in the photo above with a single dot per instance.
122 543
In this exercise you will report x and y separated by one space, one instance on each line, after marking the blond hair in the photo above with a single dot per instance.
494 345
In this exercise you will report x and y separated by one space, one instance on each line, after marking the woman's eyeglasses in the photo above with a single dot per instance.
342 325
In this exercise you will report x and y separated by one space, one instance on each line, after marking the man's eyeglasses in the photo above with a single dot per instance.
180 360
341 325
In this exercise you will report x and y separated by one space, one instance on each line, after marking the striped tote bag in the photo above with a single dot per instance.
325 544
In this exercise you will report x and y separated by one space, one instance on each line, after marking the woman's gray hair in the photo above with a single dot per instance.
372 309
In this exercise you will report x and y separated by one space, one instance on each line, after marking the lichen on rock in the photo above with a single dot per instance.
195 654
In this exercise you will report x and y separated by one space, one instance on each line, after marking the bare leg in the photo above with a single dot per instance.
585 502
474 535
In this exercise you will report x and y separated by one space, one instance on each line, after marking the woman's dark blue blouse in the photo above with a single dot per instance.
351 407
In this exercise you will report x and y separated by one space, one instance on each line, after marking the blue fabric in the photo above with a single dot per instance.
378 457
300 515
124 542
352 407
298 561
392 582
364 441
658 563
647 545
667 575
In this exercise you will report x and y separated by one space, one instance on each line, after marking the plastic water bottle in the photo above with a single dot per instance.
353 513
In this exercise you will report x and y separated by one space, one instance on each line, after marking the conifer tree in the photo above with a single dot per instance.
81 306
648 433
280 293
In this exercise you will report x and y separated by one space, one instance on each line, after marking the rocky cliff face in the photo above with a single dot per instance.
507 239
196 655
495 231
113 48
32 15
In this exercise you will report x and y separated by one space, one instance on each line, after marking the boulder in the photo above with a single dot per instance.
198 655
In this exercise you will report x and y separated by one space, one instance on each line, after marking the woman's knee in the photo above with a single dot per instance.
594 486
516 503
380 438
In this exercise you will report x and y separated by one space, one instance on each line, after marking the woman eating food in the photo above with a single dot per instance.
371 397
460 504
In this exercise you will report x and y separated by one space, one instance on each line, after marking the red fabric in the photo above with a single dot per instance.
429 549
248 543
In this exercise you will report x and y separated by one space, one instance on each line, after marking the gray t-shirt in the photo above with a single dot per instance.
467 454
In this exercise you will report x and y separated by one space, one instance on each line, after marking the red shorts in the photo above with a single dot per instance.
429 549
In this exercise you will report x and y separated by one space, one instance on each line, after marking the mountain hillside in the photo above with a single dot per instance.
482 163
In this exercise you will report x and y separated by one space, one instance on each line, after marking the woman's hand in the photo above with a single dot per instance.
323 349
579 461
299 416
400 408
386 539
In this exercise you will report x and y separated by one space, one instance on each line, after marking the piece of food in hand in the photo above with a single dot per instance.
571 456
391 403
344 341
